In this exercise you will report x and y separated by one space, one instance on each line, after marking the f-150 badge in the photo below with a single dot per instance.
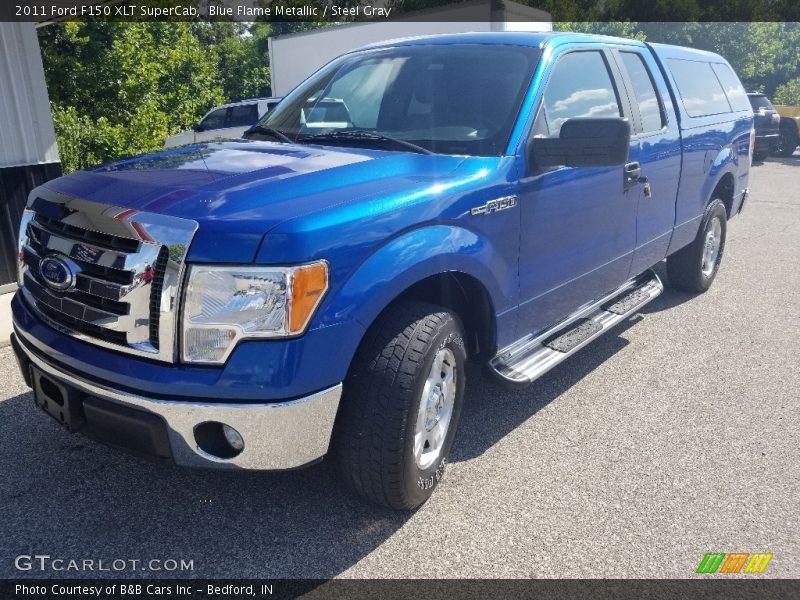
494 206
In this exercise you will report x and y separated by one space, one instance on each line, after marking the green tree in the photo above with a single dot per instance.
84 141
788 93
121 88
244 62
165 79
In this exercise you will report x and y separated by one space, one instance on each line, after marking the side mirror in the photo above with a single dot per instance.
583 143
198 127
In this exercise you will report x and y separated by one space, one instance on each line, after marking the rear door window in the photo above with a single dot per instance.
580 86
243 115
699 88
215 120
732 86
643 88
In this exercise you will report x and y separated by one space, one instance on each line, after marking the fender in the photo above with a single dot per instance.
723 163
719 164
415 255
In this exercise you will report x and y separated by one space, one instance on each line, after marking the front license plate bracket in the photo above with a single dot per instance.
57 400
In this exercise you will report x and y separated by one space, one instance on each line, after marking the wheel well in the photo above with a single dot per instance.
724 191
465 296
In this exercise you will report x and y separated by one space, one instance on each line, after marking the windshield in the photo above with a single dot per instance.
451 99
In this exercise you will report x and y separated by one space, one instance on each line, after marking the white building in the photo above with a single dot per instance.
28 151
293 57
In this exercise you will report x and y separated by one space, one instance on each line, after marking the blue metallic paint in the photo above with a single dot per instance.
712 146
385 220
397 235
578 226
659 154
256 370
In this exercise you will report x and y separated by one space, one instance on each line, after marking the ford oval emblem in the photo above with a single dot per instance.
57 273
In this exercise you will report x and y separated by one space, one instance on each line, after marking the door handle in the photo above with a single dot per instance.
631 173
632 176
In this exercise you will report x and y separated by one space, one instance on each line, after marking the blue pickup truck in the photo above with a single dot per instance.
318 286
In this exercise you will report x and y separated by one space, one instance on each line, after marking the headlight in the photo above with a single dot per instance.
223 305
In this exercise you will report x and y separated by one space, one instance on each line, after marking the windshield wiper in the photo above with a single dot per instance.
365 135
267 130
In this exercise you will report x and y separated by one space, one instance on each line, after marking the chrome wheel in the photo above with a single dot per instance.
711 247
435 409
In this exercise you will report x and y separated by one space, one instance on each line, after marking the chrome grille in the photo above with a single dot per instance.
124 266
105 240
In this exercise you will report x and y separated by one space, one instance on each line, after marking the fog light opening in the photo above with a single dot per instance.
233 437
218 440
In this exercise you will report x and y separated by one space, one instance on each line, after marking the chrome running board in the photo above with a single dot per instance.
529 358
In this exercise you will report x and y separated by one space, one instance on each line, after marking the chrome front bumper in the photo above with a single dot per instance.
277 436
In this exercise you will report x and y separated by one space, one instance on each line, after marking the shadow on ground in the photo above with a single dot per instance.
792 160
66 496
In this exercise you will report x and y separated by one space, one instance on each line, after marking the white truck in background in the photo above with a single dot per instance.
227 121
293 57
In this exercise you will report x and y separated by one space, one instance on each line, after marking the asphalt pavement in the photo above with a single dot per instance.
673 436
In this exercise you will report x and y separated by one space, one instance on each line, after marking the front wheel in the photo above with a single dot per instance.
787 142
694 267
401 405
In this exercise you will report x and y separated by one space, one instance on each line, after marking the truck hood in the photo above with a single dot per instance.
239 190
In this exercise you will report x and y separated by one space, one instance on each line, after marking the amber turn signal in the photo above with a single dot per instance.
309 284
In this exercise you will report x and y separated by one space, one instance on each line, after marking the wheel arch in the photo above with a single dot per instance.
465 296
443 264
724 190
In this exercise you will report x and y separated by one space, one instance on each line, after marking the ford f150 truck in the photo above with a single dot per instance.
320 285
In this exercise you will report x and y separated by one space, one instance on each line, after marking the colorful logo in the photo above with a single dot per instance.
714 562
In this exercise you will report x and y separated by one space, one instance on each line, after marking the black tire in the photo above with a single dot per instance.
787 142
685 268
374 438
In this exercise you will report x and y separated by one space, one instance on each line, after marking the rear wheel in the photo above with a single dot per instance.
402 404
694 267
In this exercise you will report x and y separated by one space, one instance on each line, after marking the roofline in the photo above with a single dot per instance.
545 38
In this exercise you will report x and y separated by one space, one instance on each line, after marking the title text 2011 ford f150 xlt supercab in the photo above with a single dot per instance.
320 285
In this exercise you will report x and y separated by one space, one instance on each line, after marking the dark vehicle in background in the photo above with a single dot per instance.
767 124
789 138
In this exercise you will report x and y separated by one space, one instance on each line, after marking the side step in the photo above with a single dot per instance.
526 360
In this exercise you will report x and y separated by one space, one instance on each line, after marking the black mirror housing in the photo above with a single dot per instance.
197 127
583 143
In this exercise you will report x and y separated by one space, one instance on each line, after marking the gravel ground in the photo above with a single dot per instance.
674 436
